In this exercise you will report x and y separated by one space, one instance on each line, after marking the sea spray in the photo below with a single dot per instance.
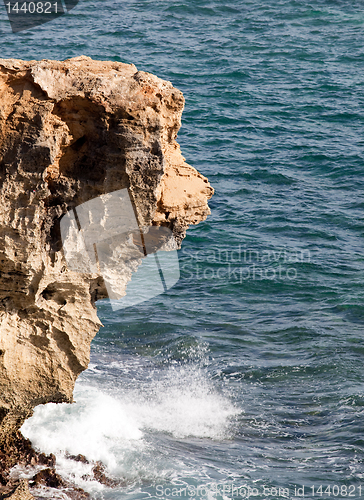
125 427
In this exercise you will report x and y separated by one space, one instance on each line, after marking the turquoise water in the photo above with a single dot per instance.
249 372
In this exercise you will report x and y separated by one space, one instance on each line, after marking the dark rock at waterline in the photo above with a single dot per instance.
100 476
48 477
78 458
19 451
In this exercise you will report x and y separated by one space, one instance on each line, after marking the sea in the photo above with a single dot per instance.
245 379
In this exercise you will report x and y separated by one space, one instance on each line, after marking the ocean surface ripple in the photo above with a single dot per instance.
250 370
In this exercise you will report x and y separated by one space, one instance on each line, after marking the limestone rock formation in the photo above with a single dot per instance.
71 131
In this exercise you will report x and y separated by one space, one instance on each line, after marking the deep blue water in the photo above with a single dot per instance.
250 370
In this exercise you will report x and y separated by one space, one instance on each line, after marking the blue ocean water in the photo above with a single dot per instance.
249 372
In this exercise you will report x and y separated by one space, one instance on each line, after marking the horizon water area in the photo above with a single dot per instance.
244 380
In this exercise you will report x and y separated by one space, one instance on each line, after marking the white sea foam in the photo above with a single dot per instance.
120 425
183 403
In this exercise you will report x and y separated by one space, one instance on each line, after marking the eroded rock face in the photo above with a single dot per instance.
69 132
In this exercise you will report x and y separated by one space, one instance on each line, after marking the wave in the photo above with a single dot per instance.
123 427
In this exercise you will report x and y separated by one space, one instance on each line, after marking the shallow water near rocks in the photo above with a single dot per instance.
249 372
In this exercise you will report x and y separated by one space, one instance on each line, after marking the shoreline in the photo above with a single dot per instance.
41 473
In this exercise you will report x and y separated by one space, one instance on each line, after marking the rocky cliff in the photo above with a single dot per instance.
69 132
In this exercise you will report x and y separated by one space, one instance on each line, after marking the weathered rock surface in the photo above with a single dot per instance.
20 492
69 132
